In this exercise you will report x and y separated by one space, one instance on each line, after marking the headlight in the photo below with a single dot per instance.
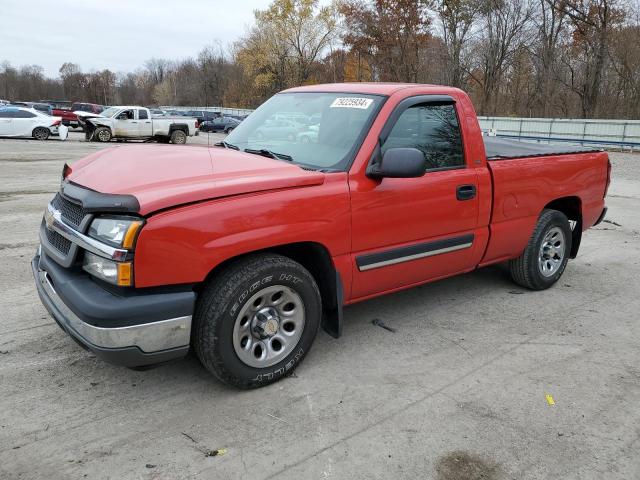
116 273
117 232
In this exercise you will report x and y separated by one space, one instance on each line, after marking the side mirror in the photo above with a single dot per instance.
399 163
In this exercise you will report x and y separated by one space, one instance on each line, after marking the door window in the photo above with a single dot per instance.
142 114
432 129
126 115
23 114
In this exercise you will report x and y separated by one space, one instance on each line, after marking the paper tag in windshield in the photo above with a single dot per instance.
352 102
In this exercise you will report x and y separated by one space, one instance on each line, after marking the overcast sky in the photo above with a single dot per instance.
116 34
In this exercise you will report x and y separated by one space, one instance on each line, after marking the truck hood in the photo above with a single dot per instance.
163 176
81 114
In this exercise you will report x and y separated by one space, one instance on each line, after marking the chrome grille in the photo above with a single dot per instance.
58 242
72 213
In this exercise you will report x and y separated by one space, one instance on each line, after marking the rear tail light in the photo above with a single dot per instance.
606 189
66 170
56 123
197 123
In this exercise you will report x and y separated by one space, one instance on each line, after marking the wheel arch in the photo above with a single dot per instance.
571 206
316 258
179 126
38 127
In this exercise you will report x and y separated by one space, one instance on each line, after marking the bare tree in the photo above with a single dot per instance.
457 18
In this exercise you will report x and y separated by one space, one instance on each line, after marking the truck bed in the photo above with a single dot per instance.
503 149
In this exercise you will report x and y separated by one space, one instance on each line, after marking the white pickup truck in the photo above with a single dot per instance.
125 122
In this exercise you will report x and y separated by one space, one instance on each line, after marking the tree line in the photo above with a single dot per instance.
526 58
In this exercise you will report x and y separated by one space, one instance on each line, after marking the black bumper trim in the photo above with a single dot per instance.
100 307
130 356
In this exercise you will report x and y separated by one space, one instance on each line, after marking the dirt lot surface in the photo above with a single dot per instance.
459 391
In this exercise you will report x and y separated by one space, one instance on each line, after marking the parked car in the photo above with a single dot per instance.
41 107
157 113
309 135
201 115
28 122
62 109
222 124
86 107
4 102
277 129
243 253
127 122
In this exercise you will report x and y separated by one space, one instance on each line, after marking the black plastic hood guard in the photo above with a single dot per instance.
93 201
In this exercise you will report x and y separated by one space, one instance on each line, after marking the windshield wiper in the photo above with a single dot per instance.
226 145
268 153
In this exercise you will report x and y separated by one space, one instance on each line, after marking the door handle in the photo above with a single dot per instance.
465 192
134 122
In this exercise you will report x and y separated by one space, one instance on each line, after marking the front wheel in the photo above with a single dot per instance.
545 258
255 321
41 133
102 134
178 137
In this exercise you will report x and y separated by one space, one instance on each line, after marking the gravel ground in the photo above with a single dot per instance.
457 392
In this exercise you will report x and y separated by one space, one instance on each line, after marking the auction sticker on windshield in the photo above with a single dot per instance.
352 102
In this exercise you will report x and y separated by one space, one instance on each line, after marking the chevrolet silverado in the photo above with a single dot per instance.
135 123
244 250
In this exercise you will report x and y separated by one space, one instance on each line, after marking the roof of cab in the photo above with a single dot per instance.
371 88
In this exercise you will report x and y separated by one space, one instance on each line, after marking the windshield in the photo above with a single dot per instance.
317 130
110 112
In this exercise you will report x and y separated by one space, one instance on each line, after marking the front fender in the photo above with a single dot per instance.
183 245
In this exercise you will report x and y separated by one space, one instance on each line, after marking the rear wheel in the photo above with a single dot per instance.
256 321
41 133
178 137
102 134
544 260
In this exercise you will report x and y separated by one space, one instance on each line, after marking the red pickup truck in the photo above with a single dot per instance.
244 250
65 110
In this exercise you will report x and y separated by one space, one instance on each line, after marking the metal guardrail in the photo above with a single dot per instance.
621 133
221 110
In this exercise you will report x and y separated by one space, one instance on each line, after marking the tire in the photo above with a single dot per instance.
228 336
41 133
178 137
102 134
545 258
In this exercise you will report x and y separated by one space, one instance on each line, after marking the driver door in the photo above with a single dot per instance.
126 124
5 122
410 230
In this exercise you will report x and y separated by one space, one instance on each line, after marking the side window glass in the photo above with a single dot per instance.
5 114
23 114
142 115
432 129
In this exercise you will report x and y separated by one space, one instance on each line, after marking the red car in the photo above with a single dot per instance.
244 250
65 109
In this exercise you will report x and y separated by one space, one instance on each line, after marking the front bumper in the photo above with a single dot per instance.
132 331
